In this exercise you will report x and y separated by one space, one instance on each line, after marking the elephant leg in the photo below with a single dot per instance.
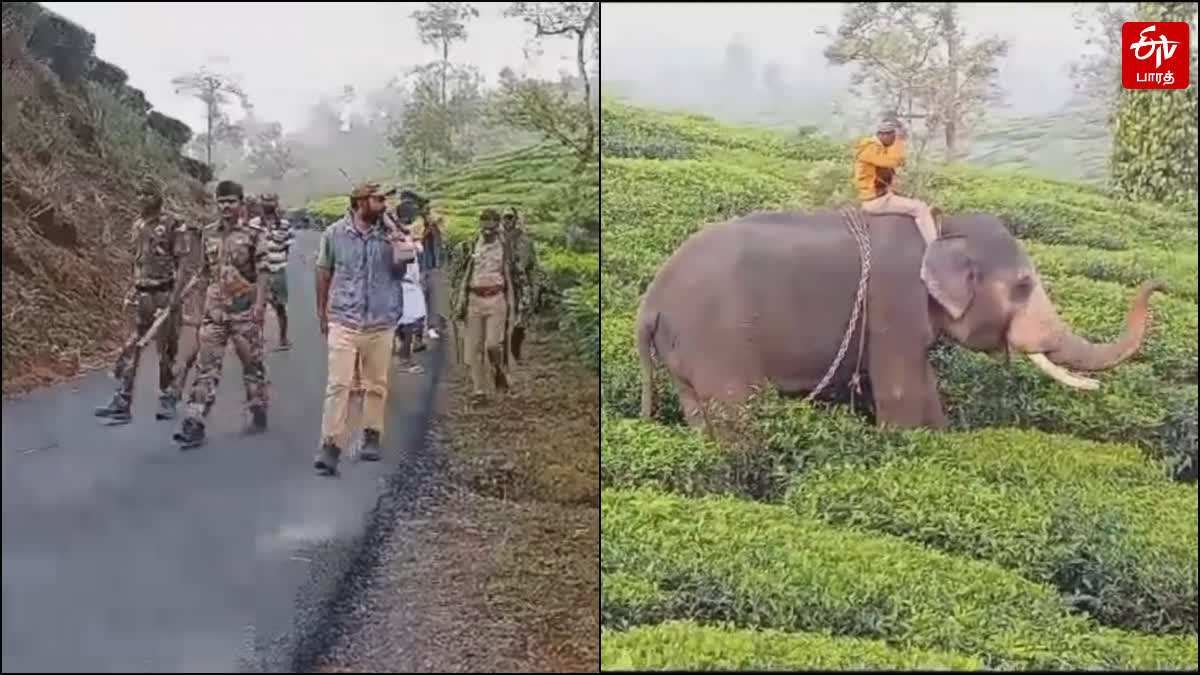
935 415
905 390
690 404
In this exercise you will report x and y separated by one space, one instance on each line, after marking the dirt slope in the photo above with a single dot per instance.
76 140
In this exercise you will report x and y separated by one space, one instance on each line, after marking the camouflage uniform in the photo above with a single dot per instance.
191 311
234 257
525 262
159 245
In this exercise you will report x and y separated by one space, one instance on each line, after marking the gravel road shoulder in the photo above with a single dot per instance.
496 565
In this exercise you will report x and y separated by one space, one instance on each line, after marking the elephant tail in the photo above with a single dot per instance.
647 324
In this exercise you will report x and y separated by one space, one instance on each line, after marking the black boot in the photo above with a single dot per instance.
116 412
326 461
370 446
166 407
190 435
258 420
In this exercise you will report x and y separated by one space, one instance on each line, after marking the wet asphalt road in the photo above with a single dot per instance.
120 552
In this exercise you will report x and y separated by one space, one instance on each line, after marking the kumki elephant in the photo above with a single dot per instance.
767 298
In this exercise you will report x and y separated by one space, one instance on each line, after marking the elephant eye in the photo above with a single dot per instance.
1022 289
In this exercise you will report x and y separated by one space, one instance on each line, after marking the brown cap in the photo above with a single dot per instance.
370 190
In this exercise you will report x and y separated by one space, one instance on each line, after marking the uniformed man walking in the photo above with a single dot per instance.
235 273
159 245
525 260
486 301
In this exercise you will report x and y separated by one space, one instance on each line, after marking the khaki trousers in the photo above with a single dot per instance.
904 206
373 350
485 336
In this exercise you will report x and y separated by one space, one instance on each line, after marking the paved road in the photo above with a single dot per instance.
120 552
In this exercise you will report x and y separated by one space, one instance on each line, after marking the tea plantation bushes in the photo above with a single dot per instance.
635 453
1128 268
1092 520
635 125
640 227
686 645
724 560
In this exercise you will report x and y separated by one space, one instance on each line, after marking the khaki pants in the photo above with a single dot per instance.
485 337
903 206
373 350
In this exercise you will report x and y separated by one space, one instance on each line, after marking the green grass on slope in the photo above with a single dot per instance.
725 560
686 645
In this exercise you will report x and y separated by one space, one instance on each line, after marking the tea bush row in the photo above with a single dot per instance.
1122 550
754 565
639 125
777 439
687 645
1128 268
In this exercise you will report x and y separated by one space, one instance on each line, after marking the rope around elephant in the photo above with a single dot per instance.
858 229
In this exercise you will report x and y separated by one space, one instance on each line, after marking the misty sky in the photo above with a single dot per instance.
642 38
290 54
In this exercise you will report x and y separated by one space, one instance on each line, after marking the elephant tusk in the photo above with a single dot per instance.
1061 374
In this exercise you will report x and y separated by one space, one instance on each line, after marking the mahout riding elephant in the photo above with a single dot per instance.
766 300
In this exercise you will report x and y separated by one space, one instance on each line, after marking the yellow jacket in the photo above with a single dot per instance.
869 157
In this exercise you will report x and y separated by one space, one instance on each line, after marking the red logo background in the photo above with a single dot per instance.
1148 73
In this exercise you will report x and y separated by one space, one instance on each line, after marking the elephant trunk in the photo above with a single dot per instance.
1069 350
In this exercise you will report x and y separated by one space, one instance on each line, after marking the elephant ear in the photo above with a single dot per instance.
949 274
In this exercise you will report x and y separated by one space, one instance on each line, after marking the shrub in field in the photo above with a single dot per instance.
1178 441
581 322
635 453
1095 521
562 269
613 145
724 560
686 645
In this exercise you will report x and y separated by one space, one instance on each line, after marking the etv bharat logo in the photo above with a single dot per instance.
1155 55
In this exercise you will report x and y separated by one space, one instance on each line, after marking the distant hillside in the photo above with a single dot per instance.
76 139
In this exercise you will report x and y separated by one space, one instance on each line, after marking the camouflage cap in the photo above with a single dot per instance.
371 190
268 197
489 215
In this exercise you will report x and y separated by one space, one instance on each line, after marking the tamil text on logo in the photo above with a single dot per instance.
1155 55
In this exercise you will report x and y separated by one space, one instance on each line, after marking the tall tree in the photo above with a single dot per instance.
915 60
1154 137
546 107
214 89
440 24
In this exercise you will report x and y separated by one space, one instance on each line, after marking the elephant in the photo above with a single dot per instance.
766 299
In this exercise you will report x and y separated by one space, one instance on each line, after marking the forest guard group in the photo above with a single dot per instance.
196 289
